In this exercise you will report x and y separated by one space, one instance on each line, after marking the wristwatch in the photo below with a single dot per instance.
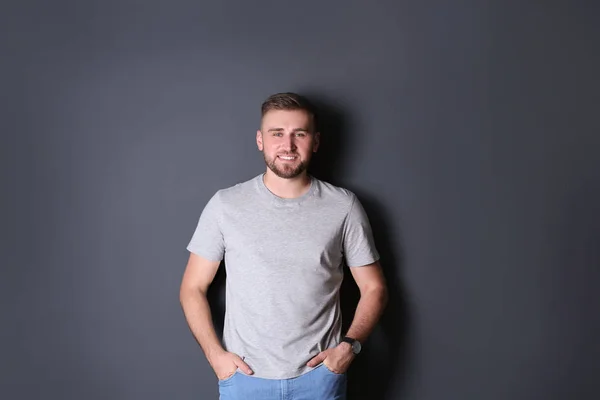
356 346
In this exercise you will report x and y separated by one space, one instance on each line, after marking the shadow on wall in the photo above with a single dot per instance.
384 359
574 274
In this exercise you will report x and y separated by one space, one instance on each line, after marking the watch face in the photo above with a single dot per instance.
356 347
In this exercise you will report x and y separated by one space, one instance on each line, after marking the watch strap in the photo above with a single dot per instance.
353 342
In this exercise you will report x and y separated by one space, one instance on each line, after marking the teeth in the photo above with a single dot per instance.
287 158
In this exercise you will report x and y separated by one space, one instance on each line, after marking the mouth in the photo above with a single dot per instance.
288 158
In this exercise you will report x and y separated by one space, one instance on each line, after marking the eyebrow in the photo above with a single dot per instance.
294 130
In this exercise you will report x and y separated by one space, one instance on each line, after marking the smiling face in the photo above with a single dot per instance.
287 140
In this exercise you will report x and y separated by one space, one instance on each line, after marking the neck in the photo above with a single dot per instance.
287 188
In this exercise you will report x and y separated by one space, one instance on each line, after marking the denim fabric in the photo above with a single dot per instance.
317 384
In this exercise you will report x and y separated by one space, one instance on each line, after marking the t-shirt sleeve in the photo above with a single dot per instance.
359 245
207 240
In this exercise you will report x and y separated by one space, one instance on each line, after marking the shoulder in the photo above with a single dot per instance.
236 192
337 194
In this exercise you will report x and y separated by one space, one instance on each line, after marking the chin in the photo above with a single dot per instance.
287 173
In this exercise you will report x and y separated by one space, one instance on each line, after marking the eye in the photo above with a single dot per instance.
277 134
301 134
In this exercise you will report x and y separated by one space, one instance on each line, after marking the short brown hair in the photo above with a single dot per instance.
288 101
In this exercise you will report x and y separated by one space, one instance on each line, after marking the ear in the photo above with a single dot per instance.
259 140
317 142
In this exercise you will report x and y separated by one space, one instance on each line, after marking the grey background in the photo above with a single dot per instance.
469 129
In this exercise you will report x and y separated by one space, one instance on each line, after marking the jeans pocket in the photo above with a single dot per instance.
330 371
229 377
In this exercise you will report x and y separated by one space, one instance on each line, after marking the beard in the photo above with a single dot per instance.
285 171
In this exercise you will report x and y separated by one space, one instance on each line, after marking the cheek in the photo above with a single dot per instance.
271 147
270 150
307 150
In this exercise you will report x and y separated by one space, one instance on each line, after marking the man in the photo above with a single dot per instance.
283 235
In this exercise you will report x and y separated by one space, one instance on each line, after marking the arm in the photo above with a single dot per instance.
198 276
373 300
360 251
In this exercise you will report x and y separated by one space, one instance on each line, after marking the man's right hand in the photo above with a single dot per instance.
226 363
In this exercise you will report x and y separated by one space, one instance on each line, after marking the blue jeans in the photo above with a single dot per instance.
318 384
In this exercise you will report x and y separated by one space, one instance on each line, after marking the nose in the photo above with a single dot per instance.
289 143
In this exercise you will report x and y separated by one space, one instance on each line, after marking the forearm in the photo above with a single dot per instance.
368 311
198 316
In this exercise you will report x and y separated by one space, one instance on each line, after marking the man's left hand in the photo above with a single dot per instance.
337 359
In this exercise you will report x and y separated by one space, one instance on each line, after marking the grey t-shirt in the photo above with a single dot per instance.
284 265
